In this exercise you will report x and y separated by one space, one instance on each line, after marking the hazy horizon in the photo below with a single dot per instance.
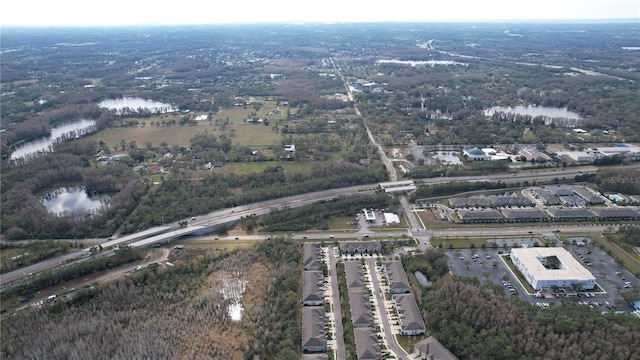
74 13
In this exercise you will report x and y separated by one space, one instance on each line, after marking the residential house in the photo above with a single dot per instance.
398 281
431 349
312 295
411 322
367 346
314 336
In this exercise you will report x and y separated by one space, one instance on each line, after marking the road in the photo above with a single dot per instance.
337 311
264 207
384 316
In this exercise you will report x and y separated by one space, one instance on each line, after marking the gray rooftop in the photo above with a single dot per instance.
361 315
312 256
432 347
524 214
367 346
485 214
410 317
569 213
368 247
354 274
588 195
311 286
313 333
620 212
396 275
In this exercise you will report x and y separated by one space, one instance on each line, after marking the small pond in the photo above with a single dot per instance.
73 199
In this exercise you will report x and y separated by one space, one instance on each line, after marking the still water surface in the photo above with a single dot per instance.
73 199
534 111
129 105
70 130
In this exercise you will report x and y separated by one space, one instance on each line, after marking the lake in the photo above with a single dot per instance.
73 199
534 111
130 105
70 130
414 63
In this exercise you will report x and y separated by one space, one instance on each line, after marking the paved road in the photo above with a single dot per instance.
337 312
378 294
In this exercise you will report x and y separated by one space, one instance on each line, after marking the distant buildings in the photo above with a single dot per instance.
475 154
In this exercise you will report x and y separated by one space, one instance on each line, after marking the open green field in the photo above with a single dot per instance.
241 132
172 135
629 261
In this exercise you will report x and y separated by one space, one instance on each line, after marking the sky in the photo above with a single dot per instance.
148 12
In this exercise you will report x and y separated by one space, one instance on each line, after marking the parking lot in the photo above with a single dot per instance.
488 266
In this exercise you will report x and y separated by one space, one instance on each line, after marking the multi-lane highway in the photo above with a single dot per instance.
170 231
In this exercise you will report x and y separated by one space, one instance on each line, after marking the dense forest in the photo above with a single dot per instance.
481 323
173 312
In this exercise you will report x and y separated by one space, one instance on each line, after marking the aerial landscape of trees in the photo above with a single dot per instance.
237 99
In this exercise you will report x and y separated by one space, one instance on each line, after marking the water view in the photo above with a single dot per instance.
71 130
431 63
130 105
447 157
232 290
534 111
73 199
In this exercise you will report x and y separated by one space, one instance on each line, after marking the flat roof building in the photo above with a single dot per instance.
391 218
545 267
369 215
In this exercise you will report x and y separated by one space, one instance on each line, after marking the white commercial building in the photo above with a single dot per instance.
391 218
579 156
545 267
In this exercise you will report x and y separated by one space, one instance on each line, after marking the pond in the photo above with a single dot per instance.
131 105
447 157
73 199
70 130
534 111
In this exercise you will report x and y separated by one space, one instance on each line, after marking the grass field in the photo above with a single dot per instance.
172 135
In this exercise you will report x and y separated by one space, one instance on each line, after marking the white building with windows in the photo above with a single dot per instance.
545 267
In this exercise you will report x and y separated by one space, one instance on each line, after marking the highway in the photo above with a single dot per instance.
164 233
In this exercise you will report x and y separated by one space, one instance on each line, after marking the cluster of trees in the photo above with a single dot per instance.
38 251
24 217
467 169
480 323
315 216
182 196
454 187
54 277
170 313
626 181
